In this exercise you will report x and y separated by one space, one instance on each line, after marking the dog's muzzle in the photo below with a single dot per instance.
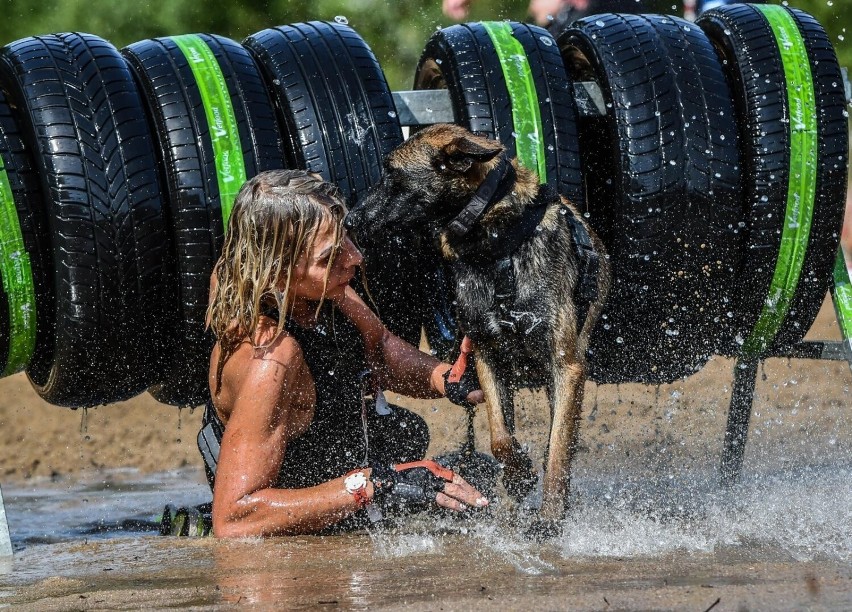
355 220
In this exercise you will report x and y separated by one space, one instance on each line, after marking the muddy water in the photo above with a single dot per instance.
780 540
650 528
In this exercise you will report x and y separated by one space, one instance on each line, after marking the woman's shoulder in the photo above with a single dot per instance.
276 357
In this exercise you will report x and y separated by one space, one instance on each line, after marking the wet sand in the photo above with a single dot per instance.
438 572
645 445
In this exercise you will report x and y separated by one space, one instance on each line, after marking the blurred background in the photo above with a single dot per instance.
396 30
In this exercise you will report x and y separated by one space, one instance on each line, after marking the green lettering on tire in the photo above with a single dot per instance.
224 134
526 115
802 183
17 278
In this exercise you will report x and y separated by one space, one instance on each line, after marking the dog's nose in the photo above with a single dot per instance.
353 220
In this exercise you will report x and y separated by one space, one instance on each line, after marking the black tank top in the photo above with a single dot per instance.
333 443
335 353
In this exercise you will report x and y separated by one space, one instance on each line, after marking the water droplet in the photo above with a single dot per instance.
276 82
439 61
547 41
392 114
599 23
341 20
619 340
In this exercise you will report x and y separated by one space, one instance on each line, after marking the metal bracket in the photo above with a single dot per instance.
428 106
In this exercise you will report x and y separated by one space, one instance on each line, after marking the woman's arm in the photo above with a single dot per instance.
401 367
270 409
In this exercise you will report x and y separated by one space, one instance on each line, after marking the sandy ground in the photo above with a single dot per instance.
44 440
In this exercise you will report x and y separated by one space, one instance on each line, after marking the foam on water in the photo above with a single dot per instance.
805 514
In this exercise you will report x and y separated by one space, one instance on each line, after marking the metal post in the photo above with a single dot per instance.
5 539
739 414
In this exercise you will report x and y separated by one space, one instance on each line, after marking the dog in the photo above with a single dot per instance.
530 276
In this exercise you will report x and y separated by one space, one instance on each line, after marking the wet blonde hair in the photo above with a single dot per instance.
274 220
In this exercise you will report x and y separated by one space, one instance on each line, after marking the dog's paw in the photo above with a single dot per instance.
518 476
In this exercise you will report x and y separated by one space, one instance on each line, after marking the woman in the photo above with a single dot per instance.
287 374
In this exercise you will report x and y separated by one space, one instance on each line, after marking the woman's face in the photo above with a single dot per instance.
310 270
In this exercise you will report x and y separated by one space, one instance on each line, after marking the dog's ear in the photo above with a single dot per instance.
462 152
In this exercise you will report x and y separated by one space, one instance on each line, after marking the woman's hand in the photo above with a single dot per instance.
420 484
459 495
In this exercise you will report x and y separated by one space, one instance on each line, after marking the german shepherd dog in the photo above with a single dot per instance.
530 277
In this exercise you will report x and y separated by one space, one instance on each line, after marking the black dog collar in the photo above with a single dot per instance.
496 185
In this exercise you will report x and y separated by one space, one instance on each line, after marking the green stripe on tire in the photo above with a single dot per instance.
802 183
526 115
17 277
224 135
841 292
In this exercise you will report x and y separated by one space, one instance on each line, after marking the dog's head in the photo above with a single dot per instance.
427 181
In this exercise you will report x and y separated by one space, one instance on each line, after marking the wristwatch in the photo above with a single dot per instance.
355 484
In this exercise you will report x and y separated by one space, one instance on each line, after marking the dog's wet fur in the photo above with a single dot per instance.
427 181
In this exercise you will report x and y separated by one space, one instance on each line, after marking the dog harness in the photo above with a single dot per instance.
497 184
499 180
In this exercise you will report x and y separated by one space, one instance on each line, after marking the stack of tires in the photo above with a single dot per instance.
715 175
119 172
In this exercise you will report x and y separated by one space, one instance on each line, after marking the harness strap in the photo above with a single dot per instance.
209 438
494 188
459 367
586 289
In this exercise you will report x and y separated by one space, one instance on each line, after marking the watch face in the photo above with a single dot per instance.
355 482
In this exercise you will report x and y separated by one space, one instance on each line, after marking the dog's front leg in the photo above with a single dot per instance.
567 401
518 477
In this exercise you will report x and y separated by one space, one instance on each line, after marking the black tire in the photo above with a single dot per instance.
83 118
675 207
195 177
337 113
26 298
755 68
465 60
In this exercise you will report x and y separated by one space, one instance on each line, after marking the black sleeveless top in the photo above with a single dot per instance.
333 443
